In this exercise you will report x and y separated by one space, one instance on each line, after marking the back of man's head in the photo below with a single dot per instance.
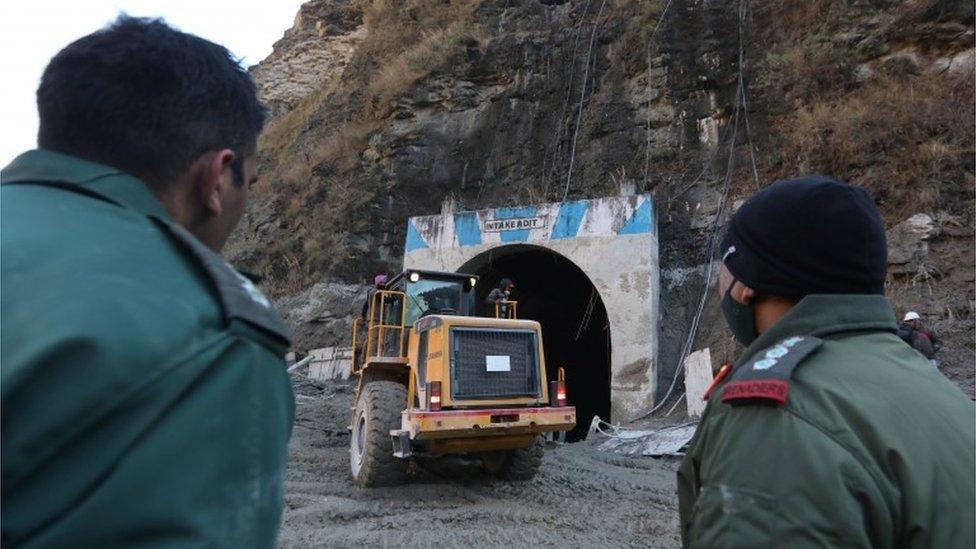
147 99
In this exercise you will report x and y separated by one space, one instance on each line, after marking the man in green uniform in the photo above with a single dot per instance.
830 431
144 395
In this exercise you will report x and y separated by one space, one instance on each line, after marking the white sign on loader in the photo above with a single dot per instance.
498 363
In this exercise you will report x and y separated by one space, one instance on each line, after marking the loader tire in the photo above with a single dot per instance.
519 465
371 456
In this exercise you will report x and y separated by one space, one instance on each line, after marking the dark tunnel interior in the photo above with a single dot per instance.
553 291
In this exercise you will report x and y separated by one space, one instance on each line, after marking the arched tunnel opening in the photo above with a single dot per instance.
552 290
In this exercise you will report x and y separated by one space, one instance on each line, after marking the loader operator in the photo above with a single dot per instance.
829 431
500 294
143 387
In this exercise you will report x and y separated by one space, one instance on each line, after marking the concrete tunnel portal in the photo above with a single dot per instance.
586 270
576 332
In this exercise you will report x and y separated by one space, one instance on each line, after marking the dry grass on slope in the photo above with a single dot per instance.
312 156
908 139
851 91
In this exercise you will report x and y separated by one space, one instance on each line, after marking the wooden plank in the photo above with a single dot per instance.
698 376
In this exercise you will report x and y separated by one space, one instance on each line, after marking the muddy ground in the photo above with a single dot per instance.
580 498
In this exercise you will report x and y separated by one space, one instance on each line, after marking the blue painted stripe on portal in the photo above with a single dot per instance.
641 221
569 218
514 213
466 228
414 240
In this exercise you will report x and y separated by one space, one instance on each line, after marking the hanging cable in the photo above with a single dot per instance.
587 313
752 152
745 105
647 133
579 114
562 112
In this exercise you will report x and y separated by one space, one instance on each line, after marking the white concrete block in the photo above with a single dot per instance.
330 363
698 376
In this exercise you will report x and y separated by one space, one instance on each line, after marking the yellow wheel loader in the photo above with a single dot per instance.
434 379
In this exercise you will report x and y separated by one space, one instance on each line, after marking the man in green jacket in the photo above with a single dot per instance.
144 395
830 431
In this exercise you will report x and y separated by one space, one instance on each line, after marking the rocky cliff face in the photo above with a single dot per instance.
310 55
385 109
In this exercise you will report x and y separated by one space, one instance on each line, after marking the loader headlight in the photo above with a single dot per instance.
414 277
473 281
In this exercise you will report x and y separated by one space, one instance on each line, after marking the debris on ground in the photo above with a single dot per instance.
667 440
582 497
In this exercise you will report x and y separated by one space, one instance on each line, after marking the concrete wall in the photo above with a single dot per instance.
612 240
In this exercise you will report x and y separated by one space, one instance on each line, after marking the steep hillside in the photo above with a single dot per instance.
385 109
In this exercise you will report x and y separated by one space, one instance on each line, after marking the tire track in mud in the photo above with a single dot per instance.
580 498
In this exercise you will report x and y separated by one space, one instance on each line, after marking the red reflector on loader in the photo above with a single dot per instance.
435 396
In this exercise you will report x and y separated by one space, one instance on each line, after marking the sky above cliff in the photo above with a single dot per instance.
32 32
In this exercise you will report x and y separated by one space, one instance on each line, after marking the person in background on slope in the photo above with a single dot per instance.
921 339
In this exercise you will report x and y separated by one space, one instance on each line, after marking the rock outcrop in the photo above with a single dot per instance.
322 315
908 244
310 55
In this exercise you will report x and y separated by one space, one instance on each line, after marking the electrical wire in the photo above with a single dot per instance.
677 401
647 136
556 148
579 114
743 9
587 313
752 150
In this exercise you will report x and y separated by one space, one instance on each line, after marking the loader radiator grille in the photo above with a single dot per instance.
488 363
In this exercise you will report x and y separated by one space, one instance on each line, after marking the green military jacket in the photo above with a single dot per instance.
143 390
871 447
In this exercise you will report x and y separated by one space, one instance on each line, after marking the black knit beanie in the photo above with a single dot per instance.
809 235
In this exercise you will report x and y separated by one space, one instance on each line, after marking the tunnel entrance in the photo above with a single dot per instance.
552 290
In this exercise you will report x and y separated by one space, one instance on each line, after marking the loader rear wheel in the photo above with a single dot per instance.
519 465
371 456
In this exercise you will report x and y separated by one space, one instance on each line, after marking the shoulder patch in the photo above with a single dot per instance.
239 298
766 377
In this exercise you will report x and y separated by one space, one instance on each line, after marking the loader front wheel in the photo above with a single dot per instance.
371 456
519 465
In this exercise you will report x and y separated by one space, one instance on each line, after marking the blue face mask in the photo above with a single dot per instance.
741 319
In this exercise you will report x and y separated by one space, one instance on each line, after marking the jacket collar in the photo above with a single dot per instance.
822 315
111 184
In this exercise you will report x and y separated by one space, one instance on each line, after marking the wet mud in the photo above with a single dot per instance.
580 498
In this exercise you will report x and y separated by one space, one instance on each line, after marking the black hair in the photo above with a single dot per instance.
147 99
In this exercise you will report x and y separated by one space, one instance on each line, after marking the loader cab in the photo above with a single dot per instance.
430 292
395 308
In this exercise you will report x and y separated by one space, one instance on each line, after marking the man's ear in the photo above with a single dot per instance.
742 293
214 176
